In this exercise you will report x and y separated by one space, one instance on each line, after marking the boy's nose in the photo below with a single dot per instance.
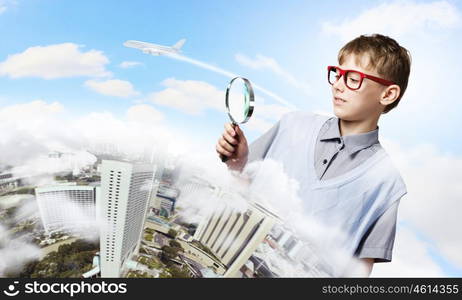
339 84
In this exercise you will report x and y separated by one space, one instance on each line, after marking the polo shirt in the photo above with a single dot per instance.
335 155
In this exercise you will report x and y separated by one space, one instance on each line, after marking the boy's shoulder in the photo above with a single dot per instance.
303 117
386 171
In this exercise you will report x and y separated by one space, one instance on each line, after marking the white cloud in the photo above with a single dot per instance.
189 96
112 87
433 203
397 19
44 165
144 113
129 64
22 128
227 74
4 4
265 115
15 252
49 127
264 62
142 126
258 124
410 258
55 61
36 111
195 97
269 111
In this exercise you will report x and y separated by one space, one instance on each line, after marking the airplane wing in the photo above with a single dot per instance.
139 45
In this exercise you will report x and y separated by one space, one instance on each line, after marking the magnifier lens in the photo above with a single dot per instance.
238 101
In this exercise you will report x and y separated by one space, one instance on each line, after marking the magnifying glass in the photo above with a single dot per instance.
239 102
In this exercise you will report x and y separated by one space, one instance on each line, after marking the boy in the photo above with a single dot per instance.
346 178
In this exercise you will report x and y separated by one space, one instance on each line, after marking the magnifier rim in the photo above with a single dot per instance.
248 85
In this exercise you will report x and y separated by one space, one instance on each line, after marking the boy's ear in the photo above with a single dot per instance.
390 94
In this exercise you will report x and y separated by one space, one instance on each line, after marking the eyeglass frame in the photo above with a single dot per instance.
362 75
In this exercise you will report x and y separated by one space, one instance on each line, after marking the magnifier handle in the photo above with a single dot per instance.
224 158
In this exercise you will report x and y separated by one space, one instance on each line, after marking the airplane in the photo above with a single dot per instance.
154 49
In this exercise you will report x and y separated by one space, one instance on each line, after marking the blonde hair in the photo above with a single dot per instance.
386 56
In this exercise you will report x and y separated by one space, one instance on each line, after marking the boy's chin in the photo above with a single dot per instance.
340 114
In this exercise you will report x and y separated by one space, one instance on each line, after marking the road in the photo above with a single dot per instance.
55 246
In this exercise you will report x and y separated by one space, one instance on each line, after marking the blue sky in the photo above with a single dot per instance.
283 47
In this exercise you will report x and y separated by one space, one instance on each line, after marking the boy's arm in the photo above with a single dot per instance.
377 243
368 264
361 269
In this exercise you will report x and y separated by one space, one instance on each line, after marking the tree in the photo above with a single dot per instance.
175 244
149 230
28 269
71 260
152 262
168 253
148 237
172 232
138 274
165 274
179 272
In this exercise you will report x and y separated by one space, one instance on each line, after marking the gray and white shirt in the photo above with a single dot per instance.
334 156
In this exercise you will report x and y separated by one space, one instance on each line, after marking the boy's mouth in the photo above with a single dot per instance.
339 100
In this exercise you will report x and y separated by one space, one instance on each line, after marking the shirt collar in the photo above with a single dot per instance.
353 143
333 131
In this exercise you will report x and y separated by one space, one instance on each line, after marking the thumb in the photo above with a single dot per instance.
239 131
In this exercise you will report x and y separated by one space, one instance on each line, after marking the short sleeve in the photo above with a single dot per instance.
259 148
378 241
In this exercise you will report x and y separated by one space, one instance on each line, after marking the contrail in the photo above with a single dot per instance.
230 75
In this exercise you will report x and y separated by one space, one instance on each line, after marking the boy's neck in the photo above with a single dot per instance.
356 127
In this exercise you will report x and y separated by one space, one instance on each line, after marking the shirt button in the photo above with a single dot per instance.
324 161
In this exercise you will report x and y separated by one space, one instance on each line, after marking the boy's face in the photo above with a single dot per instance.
361 104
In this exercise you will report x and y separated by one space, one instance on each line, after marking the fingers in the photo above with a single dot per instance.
222 150
230 134
230 129
225 145
228 142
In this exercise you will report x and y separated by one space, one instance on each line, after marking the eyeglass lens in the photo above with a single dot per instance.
352 79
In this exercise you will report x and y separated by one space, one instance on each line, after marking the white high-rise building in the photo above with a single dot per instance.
125 192
233 236
66 207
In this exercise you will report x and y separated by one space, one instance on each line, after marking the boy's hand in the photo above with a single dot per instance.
233 145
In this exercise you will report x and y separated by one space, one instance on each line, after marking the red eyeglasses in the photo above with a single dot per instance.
353 79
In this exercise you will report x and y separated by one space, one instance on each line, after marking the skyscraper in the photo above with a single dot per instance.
66 207
125 193
233 236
